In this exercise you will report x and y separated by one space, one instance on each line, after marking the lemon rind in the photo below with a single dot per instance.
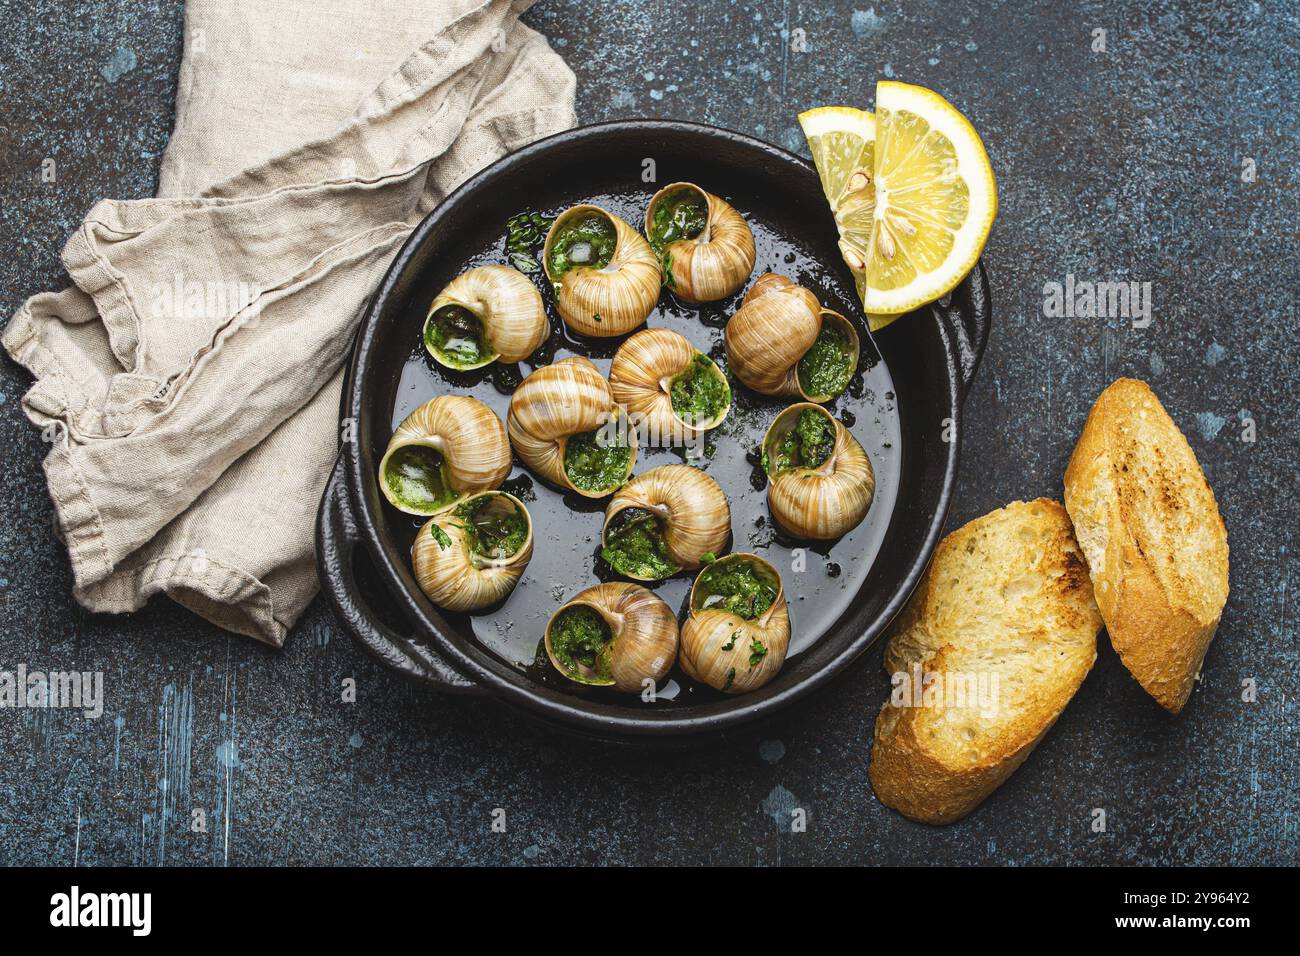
820 121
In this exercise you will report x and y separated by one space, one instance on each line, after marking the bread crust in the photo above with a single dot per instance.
1161 604
913 769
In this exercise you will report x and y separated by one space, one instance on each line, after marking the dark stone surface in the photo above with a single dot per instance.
1123 165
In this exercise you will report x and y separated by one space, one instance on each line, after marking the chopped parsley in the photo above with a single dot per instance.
440 536
525 234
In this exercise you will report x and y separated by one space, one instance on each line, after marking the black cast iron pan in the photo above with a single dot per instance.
904 406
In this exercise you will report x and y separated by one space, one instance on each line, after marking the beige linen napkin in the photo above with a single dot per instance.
189 380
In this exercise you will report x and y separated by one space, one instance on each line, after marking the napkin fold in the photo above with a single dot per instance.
189 380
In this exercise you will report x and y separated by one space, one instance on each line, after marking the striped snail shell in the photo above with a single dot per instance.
605 274
473 555
782 342
820 480
674 390
487 314
448 448
676 513
565 425
704 244
738 632
613 635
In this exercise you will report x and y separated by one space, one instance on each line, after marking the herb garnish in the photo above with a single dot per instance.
440 536
525 234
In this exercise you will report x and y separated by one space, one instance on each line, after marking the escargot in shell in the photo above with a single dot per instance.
738 631
782 342
605 274
448 448
820 480
472 555
487 314
565 425
705 246
670 519
672 390
613 635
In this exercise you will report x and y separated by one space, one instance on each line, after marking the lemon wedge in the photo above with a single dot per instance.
913 194
843 142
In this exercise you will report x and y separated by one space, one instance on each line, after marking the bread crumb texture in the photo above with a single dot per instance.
1151 532
1006 614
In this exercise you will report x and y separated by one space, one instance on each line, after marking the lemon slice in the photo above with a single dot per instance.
914 220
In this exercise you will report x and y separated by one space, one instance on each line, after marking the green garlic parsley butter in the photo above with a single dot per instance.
699 393
593 468
578 636
827 367
807 445
735 587
586 240
634 546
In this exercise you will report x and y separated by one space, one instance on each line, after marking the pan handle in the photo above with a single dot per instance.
337 542
968 314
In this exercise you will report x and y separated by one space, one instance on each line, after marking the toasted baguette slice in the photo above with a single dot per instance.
1006 605
1153 538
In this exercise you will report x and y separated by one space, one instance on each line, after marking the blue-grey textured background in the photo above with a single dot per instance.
1118 165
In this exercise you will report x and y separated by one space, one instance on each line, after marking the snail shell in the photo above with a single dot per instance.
448 448
457 567
507 308
715 262
725 650
609 299
553 405
777 324
821 502
691 509
642 375
643 637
